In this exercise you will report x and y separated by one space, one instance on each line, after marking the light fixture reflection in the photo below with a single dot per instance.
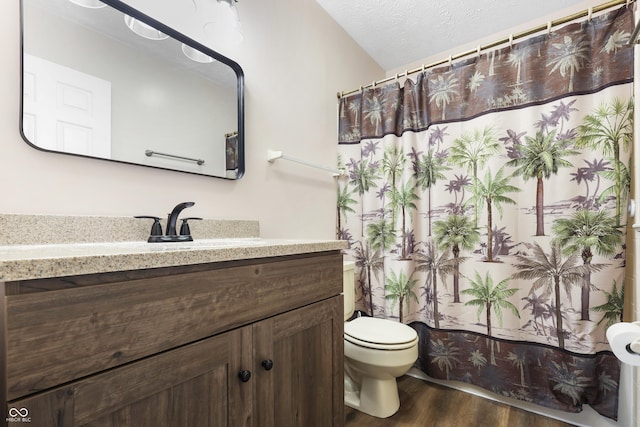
225 25
196 55
143 30
91 4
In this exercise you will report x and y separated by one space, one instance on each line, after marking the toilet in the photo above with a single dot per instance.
376 352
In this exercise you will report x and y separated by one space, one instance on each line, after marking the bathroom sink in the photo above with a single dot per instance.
114 248
207 244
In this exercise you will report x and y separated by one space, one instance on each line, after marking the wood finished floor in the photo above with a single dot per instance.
427 404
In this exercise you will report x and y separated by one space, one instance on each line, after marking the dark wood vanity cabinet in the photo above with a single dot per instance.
240 343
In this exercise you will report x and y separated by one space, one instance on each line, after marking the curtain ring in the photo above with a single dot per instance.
397 76
450 60
590 14
478 50
373 85
548 27
511 40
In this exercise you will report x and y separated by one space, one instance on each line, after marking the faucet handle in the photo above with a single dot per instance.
156 228
184 228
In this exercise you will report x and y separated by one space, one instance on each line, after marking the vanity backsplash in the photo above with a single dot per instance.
18 229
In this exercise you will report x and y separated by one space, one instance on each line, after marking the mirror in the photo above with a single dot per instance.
93 87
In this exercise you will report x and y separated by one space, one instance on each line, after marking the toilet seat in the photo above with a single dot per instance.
379 334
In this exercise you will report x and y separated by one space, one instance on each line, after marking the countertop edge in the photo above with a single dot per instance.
42 266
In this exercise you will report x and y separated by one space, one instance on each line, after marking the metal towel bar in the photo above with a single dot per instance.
150 153
273 155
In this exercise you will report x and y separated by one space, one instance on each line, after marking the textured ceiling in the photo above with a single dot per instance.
399 32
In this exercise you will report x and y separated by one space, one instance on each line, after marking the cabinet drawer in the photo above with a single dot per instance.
56 336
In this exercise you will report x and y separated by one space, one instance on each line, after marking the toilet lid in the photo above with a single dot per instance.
379 333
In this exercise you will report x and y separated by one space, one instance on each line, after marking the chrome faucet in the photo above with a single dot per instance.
172 220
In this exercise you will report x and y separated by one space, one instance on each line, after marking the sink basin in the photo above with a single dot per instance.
252 241
208 244
112 248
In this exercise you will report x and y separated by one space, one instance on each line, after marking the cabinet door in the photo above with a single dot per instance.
196 385
303 384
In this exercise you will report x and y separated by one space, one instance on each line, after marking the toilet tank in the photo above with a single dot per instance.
349 288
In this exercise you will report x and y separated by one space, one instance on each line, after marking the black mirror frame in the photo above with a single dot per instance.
128 10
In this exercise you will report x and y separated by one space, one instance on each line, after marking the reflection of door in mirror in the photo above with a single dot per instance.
65 109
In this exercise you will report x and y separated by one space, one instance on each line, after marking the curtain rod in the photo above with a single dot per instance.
550 24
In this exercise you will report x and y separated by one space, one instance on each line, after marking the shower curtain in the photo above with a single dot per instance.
485 206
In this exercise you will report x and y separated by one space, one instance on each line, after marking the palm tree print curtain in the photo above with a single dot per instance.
485 208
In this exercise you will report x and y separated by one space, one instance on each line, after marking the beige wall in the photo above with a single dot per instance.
295 59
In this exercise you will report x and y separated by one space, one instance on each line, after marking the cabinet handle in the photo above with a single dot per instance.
267 364
244 375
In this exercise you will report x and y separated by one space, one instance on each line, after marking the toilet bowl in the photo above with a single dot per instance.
376 351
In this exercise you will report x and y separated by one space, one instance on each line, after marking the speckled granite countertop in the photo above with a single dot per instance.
44 261
45 246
